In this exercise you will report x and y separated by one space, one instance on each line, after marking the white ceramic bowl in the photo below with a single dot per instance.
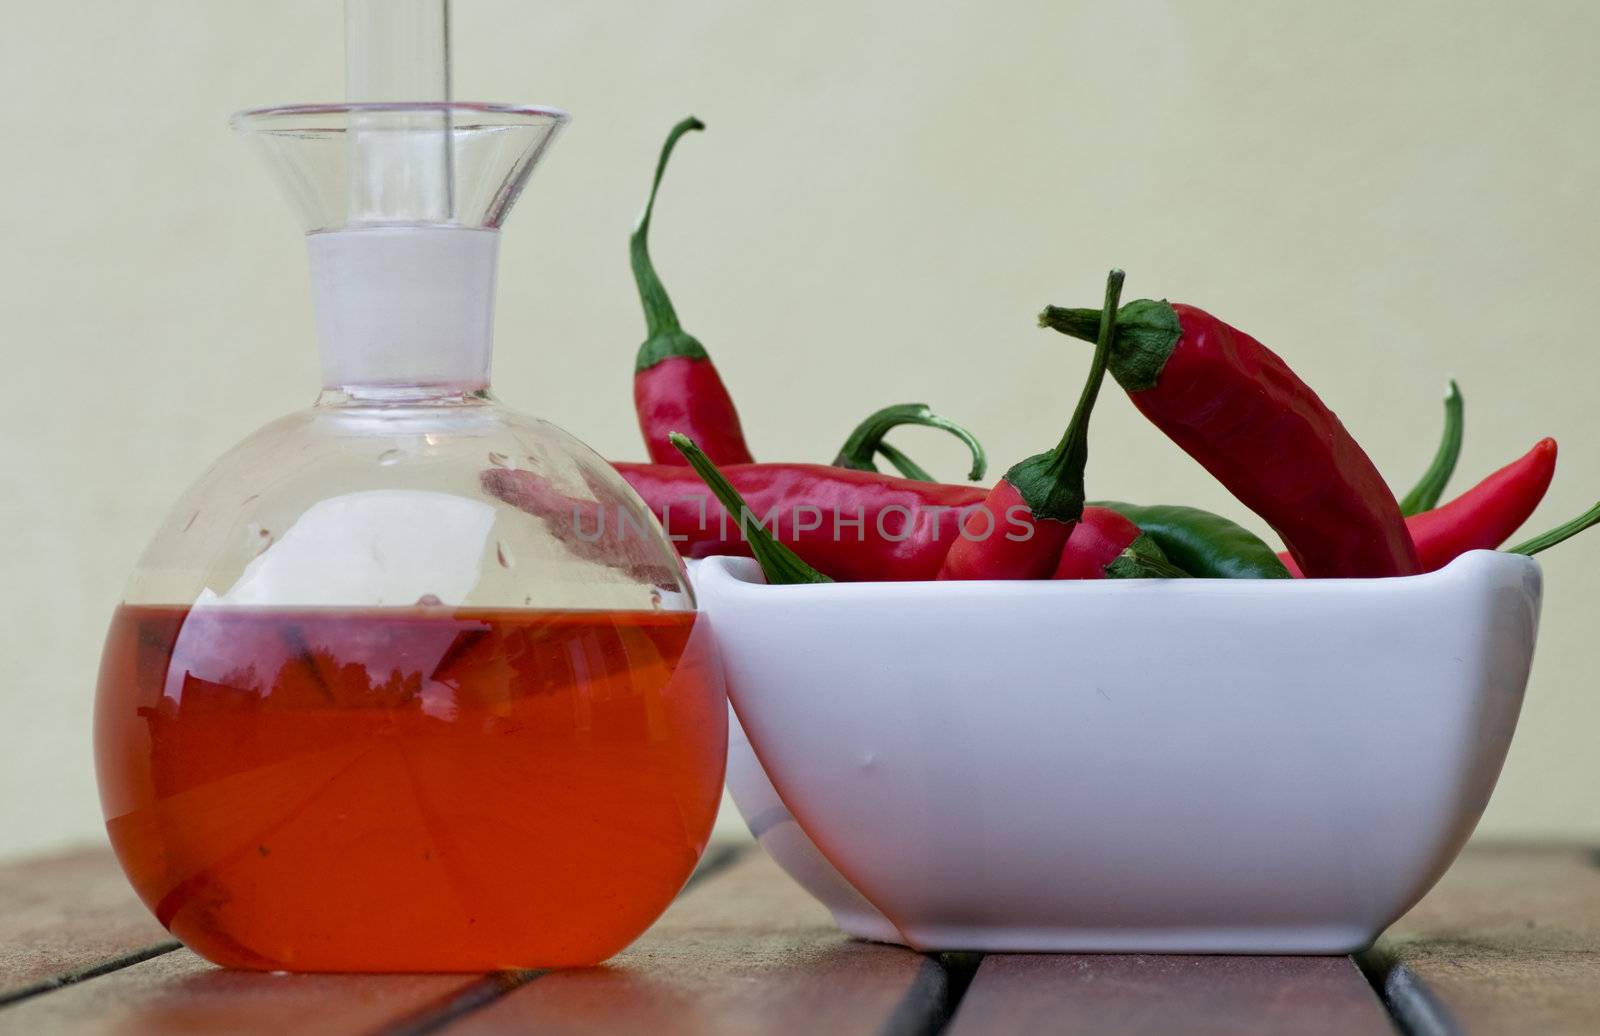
1168 766
774 828
782 839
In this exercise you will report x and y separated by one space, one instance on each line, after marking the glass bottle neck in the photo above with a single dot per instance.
404 311
369 396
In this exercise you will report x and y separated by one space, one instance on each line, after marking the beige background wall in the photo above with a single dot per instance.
1385 192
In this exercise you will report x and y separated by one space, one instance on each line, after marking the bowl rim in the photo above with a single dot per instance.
744 575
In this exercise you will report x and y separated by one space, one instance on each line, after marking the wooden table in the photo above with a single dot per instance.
1508 943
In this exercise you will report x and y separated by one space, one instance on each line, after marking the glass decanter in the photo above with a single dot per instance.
408 681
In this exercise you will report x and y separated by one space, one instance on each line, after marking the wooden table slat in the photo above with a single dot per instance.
1507 942
1159 994
66 914
179 993
747 953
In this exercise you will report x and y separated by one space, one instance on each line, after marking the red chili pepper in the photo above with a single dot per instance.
1106 544
676 387
1237 408
1041 497
1098 539
853 525
1484 516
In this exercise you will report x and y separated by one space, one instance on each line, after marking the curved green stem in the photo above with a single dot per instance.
664 336
1424 496
779 564
857 451
907 467
1559 534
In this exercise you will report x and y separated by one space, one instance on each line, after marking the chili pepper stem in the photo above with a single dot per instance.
664 336
1137 563
1559 534
1052 483
865 440
903 464
778 563
1147 332
1425 495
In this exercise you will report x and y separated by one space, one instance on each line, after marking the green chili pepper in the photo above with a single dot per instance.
1425 495
867 439
1203 544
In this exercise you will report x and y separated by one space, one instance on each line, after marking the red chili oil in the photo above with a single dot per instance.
408 789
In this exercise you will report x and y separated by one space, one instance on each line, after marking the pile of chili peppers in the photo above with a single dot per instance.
1224 398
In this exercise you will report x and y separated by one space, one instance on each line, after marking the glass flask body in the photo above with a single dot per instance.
407 681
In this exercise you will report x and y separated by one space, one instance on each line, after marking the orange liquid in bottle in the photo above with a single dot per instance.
408 789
